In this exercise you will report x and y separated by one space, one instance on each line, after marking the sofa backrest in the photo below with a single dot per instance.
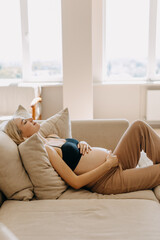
99 133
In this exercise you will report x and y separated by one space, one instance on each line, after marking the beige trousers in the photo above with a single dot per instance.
126 177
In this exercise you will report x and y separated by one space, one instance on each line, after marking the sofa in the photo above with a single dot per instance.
81 214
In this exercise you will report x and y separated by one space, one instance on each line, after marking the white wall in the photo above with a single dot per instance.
77 58
12 96
52 100
109 100
117 101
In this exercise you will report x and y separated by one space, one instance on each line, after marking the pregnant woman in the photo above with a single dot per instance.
98 169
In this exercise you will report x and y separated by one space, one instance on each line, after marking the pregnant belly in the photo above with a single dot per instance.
91 160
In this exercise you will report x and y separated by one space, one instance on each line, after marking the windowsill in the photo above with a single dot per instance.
131 82
20 83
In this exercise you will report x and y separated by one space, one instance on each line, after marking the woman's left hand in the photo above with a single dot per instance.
84 147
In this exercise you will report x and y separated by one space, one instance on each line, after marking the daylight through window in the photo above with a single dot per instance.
126 39
31 41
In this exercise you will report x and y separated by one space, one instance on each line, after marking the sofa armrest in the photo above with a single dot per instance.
99 133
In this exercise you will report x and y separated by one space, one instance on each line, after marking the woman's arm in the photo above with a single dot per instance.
69 176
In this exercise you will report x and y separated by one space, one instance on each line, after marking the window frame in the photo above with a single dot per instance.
26 63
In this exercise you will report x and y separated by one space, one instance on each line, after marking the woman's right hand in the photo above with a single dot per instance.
112 160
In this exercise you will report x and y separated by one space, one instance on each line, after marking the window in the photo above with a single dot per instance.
132 37
10 40
45 37
31 41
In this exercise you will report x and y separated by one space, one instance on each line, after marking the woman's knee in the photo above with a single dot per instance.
138 123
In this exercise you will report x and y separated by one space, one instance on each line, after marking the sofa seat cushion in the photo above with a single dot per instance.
71 193
6 234
82 219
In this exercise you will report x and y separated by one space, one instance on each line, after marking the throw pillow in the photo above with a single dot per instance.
14 181
58 124
21 112
47 183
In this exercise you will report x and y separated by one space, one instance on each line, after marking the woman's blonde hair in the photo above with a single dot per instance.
12 130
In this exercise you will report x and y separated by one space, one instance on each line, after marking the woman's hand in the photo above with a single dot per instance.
84 147
112 160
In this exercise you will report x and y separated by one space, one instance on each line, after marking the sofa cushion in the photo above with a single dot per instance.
22 112
58 124
47 183
156 191
120 219
86 194
14 181
6 234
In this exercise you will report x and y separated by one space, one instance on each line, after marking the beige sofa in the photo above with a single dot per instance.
80 214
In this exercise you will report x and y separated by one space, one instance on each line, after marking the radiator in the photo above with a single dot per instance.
153 105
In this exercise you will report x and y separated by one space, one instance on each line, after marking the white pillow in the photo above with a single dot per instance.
47 183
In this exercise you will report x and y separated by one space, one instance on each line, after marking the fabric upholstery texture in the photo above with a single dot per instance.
6 234
58 124
14 181
157 192
22 112
99 132
71 193
72 217
47 183
114 219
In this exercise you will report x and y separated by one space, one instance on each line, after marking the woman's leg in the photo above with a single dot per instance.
139 136
126 178
129 180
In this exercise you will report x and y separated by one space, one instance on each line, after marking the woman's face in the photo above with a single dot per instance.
27 126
